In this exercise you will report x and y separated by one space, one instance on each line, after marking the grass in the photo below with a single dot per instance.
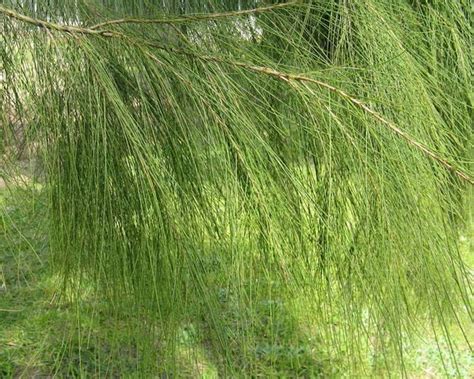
35 326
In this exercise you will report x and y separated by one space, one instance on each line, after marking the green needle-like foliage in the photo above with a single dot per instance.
280 188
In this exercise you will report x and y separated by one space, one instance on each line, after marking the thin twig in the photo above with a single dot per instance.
195 17
258 69
52 26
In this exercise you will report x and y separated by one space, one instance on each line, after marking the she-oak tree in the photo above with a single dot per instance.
280 185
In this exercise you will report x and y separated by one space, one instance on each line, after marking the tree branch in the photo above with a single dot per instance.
52 26
287 77
196 17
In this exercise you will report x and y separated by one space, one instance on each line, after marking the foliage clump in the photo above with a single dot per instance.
209 170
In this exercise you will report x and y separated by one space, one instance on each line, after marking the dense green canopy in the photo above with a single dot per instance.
242 177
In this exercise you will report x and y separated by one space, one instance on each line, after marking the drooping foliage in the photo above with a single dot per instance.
281 187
